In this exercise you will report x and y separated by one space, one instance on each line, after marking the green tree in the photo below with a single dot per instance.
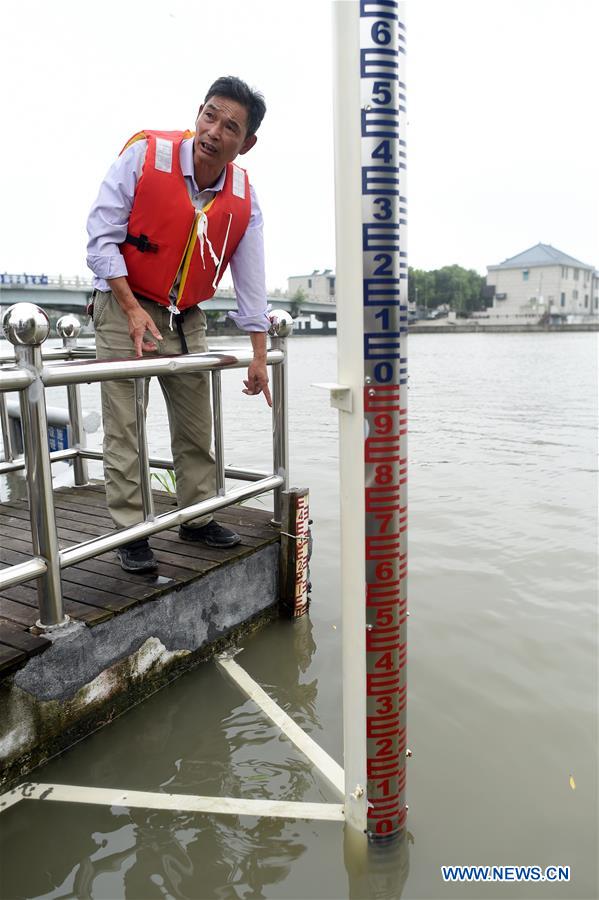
458 288
421 288
297 299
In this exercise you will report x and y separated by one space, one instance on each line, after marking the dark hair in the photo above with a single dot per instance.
236 89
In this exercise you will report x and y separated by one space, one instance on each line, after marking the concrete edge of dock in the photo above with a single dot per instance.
91 675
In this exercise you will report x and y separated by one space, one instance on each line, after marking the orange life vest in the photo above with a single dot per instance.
167 236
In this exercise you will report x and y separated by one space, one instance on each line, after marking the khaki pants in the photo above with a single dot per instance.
187 401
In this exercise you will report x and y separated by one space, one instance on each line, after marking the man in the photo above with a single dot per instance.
173 211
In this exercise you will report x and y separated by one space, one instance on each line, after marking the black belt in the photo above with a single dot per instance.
179 318
179 323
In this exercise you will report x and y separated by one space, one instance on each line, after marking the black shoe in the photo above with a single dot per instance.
137 557
212 534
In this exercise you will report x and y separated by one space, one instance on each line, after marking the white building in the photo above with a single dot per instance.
543 280
318 286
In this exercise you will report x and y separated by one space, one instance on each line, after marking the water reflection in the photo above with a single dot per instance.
157 855
281 671
55 873
187 745
93 852
146 854
376 870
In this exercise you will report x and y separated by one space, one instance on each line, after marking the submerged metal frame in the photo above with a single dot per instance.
72 793
331 771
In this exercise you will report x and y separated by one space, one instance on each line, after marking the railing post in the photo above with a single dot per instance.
26 326
68 328
217 419
144 455
6 441
280 329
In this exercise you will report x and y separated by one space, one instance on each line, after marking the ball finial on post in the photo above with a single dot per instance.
25 324
68 326
281 323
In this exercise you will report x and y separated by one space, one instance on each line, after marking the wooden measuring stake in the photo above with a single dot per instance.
295 553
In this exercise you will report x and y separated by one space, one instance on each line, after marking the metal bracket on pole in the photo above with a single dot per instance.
341 395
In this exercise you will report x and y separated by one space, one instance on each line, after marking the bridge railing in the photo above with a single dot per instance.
32 371
27 281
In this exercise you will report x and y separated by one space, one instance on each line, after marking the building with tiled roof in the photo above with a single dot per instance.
544 281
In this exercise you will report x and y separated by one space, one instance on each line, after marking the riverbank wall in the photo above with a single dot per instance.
419 327
470 327
466 326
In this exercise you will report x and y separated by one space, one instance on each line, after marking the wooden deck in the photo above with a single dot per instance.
97 589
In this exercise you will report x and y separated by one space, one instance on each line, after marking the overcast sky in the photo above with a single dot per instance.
502 139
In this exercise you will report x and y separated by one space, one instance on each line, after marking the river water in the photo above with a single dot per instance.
503 699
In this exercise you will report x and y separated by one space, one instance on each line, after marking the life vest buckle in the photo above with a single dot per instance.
142 243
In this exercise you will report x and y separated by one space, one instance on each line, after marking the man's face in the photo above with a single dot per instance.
221 132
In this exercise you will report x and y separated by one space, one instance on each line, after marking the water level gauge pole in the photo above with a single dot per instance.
371 289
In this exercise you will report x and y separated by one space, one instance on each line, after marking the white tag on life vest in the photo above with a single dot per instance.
164 155
238 182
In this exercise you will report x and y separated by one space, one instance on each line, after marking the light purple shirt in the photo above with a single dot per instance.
109 217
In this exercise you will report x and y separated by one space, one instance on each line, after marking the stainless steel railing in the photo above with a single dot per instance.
31 371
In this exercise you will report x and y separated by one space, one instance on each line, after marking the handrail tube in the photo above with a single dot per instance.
145 476
116 369
57 354
86 453
219 441
44 537
55 456
15 379
162 522
243 474
158 463
35 567
21 572
155 461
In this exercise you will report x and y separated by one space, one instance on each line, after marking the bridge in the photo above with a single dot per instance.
71 294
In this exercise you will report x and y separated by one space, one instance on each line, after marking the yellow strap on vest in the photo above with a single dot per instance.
140 136
189 251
